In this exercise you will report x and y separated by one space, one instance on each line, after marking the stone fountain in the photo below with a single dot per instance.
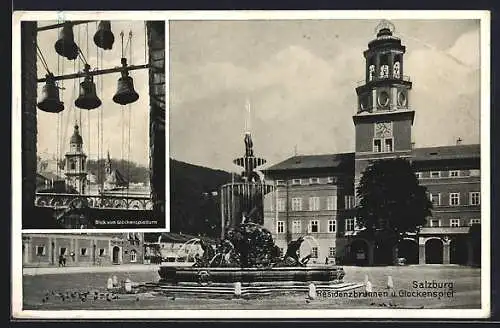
246 254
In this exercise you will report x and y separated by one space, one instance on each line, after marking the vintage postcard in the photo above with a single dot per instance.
322 164
91 108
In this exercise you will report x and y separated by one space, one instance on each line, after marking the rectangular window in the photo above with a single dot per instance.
314 226
454 174
418 175
388 145
435 199
296 204
475 198
331 203
435 223
331 252
280 227
281 251
296 181
349 202
330 180
280 182
281 206
314 180
332 225
474 221
313 203
296 226
349 225
455 223
314 252
454 199
377 146
40 250
62 251
435 174
83 251
102 251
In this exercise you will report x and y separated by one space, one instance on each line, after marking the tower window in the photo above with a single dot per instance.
388 145
384 71
396 70
371 72
72 165
377 146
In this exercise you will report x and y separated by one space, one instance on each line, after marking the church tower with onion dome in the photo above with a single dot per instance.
75 166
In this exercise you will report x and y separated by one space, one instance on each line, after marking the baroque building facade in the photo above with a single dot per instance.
82 249
315 194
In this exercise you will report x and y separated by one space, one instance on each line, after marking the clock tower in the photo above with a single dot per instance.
384 117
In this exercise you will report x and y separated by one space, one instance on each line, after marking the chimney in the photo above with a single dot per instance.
459 141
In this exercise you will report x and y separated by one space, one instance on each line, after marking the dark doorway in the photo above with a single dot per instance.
116 255
434 251
383 253
459 251
408 249
359 252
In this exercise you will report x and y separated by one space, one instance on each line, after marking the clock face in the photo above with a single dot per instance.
402 99
383 129
383 99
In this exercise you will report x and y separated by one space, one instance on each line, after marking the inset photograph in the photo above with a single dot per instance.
93 124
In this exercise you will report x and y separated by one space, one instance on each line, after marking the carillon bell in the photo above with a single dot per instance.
125 94
103 37
50 102
88 97
66 45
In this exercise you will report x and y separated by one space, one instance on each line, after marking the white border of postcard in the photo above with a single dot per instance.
17 312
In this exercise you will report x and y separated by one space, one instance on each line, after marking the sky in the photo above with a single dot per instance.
300 79
55 130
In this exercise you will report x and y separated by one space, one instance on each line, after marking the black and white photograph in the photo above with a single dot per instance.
93 124
321 165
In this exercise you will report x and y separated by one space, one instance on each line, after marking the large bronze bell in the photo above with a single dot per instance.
125 94
66 45
103 37
50 102
88 97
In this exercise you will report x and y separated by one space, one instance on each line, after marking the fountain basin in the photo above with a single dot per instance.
176 274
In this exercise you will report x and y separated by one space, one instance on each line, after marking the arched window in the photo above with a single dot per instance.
371 72
72 165
133 256
396 70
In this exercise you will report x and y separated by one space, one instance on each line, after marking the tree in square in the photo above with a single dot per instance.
391 203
